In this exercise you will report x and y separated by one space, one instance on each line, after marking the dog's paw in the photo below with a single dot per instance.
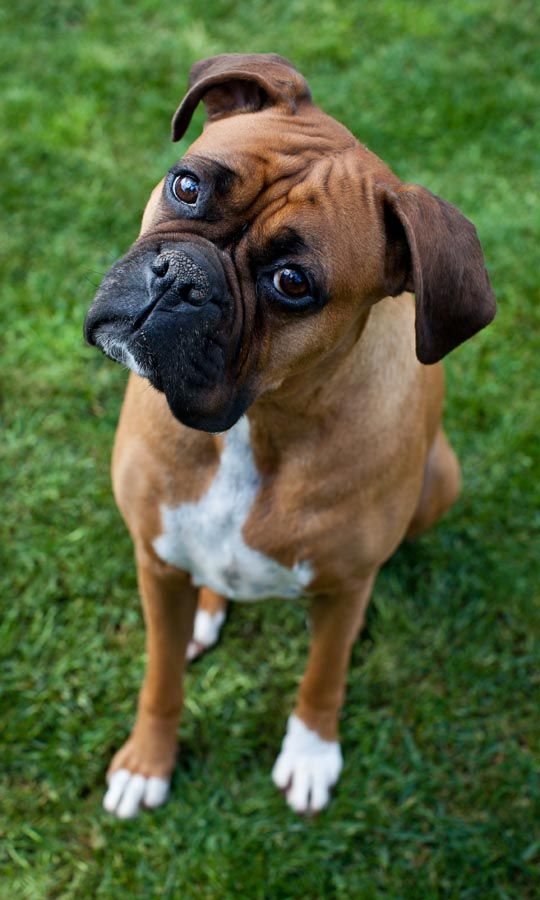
129 792
140 772
307 767
206 631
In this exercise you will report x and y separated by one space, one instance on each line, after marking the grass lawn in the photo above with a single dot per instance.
440 795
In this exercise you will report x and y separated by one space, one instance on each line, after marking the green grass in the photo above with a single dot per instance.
440 796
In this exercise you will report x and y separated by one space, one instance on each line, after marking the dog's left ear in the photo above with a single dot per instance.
433 250
237 82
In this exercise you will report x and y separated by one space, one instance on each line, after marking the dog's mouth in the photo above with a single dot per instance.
120 351
167 313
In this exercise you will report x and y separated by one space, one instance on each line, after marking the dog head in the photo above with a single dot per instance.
262 250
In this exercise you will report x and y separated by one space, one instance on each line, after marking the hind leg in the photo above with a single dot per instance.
209 618
441 485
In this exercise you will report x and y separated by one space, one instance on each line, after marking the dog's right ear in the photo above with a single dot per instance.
433 250
235 83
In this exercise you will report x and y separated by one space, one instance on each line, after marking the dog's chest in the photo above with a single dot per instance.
205 538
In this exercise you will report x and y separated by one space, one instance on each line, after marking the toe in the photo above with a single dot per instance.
156 792
320 794
298 794
194 650
117 782
131 799
282 771
129 792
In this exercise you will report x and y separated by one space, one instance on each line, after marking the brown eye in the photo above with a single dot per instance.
291 282
186 189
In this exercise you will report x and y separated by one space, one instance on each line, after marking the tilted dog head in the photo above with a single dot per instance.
263 248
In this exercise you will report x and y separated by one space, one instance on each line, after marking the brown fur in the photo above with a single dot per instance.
345 426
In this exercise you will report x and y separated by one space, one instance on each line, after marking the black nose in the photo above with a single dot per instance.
176 277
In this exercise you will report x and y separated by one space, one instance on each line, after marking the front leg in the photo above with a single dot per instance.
139 774
310 760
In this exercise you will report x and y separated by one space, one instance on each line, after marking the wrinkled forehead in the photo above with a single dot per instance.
278 170
271 144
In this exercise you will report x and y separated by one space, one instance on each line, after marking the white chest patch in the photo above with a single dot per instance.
205 538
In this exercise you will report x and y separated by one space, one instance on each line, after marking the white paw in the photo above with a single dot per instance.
307 767
205 632
128 793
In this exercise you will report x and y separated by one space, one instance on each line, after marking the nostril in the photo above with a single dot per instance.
160 266
195 296
177 278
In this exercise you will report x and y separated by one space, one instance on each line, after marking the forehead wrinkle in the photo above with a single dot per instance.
299 208
273 132
298 146
276 192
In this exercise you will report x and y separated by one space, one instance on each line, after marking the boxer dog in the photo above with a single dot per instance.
291 438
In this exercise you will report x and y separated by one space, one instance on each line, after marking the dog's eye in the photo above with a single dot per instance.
291 282
186 189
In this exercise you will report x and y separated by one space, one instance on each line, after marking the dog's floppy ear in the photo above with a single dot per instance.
236 82
433 250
